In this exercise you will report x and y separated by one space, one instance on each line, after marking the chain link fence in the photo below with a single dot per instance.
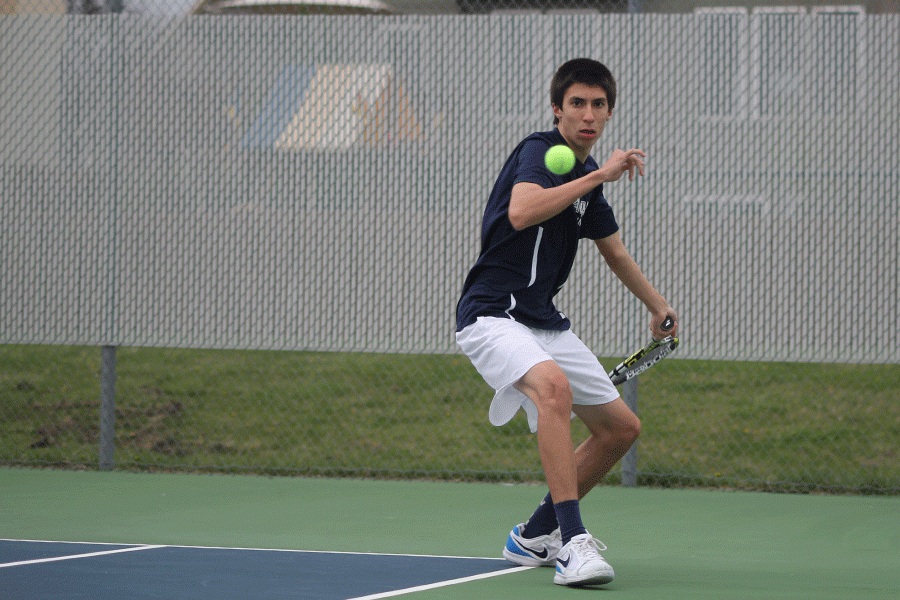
241 239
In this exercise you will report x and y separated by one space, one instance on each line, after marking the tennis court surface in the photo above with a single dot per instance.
77 534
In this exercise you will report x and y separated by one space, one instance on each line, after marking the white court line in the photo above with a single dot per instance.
242 548
73 556
431 586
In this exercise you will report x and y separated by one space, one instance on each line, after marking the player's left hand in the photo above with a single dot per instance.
621 162
633 161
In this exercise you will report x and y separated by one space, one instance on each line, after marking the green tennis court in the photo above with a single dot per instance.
663 543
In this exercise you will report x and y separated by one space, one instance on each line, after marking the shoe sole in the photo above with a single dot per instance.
575 582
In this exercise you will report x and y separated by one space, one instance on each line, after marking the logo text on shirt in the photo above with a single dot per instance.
580 206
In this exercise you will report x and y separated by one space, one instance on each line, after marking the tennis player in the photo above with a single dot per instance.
522 345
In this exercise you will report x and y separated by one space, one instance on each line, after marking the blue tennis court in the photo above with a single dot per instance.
40 570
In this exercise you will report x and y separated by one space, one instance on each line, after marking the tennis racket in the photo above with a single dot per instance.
646 357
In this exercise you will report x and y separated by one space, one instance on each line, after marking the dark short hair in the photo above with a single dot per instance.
581 70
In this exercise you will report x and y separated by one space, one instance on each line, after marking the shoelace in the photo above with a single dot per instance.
592 546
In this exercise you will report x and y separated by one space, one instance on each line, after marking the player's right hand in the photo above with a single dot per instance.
657 320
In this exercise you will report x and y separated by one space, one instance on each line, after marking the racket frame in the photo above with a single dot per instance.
643 359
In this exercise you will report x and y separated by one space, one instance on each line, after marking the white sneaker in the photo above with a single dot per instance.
579 563
540 551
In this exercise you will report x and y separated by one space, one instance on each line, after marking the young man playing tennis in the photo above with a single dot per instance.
521 344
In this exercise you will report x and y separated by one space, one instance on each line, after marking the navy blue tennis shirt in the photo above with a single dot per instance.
518 273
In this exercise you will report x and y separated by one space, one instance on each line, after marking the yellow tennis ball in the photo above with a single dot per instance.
560 159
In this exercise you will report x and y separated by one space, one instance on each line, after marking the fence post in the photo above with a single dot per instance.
107 407
629 461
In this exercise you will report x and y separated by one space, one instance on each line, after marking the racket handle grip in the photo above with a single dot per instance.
667 324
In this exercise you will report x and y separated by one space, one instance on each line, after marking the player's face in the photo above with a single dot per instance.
582 116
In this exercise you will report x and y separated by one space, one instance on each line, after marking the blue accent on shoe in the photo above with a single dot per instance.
512 546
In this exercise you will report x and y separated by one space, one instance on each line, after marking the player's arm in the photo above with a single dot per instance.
531 204
627 270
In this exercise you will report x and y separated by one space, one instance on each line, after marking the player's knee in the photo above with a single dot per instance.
630 431
556 396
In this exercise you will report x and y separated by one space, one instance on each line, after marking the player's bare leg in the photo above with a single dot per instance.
546 385
578 559
614 429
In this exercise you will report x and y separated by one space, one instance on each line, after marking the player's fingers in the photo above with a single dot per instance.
667 324
633 161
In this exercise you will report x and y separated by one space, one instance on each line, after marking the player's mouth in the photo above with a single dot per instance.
587 132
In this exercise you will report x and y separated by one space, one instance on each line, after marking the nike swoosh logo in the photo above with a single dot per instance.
564 563
542 554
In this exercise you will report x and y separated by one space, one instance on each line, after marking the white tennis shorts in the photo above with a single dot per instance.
503 350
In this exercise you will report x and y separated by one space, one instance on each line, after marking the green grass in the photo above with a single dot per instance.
774 426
